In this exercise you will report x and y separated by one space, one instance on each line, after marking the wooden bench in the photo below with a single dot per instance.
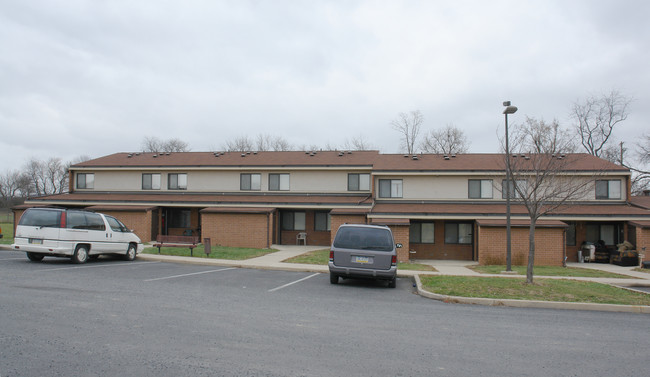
177 241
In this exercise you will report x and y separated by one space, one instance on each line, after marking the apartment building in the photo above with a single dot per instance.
439 207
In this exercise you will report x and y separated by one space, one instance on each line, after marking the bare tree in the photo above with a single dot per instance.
449 140
542 180
597 117
357 143
267 142
240 144
35 172
13 184
155 145
408 125
56 176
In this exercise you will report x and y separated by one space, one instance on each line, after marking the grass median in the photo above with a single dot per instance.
551 271
216 252
7 233
559 290
321 257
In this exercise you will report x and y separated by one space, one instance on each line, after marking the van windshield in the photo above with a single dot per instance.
363 238
41 217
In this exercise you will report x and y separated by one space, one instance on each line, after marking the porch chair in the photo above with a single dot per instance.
301 236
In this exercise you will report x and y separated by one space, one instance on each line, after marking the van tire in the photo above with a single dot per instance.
130 253
80 254
392 283
35 257
334 278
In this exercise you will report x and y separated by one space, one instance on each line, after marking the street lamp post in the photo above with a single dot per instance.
508 110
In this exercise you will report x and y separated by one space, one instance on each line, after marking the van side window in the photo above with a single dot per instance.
41 218
85 220
115 224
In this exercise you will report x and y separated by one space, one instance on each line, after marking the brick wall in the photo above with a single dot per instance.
139 221
401 235
549 246
237 229
439 249
288 237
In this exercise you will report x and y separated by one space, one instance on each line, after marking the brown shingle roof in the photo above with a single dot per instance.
379 162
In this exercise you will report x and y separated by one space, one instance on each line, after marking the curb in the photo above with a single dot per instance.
530 303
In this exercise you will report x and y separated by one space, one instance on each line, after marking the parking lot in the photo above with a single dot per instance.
110 317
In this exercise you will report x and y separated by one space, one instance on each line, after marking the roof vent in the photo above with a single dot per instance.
306 152
255 152
527 158
340 154
312 154
349 152
562 155
446 157
406 156
137 153
155 155
129 155
243 154
453 155
415 157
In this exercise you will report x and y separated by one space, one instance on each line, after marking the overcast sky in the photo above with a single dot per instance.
95 77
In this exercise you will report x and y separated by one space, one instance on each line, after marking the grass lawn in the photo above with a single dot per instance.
7 233
542 290
323 256
217 252
551 271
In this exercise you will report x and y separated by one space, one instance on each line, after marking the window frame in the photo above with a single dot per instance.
360 180
177 186
395 190
608 187
420 240
515 193
328 221
282 184
87 184
457 225
151 181
248 178
294 220
481 187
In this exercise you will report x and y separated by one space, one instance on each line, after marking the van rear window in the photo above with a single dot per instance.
41 217
363 238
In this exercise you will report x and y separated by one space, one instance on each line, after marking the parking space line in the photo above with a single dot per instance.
99 265
294 282
11 259
191 274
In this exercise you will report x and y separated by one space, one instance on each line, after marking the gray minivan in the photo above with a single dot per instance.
76 234
363 251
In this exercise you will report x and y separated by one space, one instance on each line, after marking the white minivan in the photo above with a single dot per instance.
76 234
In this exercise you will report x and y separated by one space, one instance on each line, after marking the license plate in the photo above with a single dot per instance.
358 259
36 241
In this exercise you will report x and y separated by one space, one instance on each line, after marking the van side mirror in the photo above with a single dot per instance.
398 245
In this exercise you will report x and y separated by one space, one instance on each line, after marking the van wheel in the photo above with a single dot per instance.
392 283
130 253
35 257
334 279
80 254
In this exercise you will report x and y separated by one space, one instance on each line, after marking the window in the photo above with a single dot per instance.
521 183
480 189
84 220
177 181
390 188
116 225
250 181
150 181
458 233
421 233
322 221
358 182
279 182
571 233
293 221
179 218
85 181
608 189
610 233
